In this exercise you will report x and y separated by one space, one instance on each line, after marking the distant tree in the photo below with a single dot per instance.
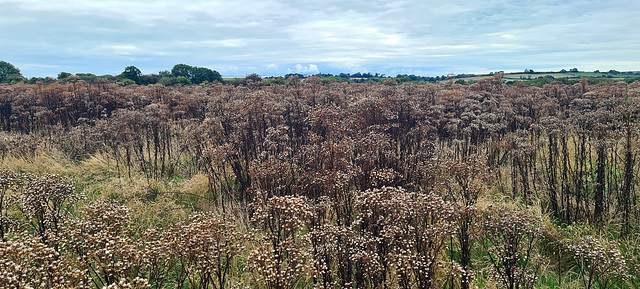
563 71
279 80
182 70
6 70
88 77
203 74
165 73
133 73
35 80
573 70
63 75
14 78
127 82
253 77
195 74
169 81
298 75
149 79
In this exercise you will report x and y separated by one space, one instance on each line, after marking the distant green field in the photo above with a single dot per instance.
531 76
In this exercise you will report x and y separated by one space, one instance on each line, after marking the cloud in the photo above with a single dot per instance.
311 69
119 49
275 37
237 42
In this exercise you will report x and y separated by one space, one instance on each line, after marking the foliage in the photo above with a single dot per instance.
170 81
196 75
132 73
9 73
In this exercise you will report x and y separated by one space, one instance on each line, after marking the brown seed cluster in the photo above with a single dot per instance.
281 259
509 238
600 262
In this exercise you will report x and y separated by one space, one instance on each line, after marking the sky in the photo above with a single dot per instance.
276 37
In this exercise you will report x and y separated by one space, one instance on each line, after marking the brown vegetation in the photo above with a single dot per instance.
318 185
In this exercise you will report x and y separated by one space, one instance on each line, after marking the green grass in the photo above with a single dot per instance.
519 76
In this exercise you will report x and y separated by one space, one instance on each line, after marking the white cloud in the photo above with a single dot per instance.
214 43
311 69
119 49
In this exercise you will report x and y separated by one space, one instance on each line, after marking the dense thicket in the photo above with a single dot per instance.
347 185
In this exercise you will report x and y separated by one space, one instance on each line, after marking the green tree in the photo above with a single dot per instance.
127 82
14 78
183 70
133 73
9 72
253 77
63 75
172 80
195 74
88 77
165 73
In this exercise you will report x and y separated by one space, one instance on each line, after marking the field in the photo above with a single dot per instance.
308 184
514 76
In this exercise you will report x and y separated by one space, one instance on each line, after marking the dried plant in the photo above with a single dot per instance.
281 259
45 202
206 249
8 184
332 249
568 148
25 262
103 244
600 262
509 240
466 183
409 230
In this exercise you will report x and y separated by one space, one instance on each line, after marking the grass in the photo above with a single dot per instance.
518 76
